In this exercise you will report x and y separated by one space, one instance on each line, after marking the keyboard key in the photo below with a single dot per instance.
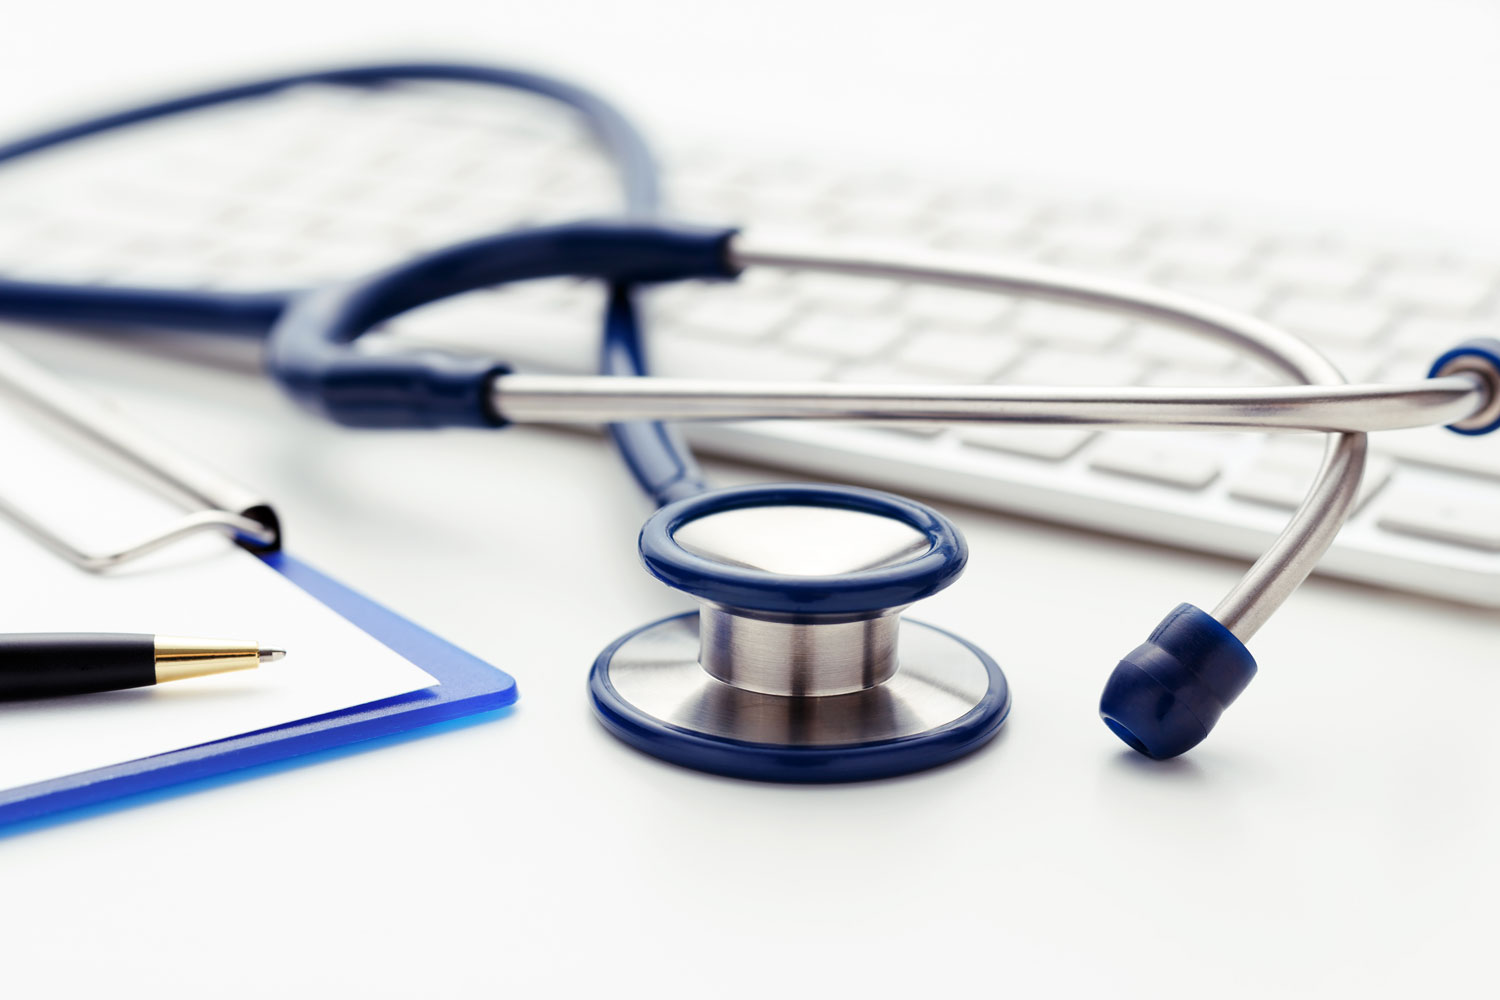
264 223
1157 342
1163 459
759 284
1193 256
898 232
1433 335
1095 235
551 294
843 336
1240 374
785 178
1051 444
708 201
532 339
982 242
1245 297
731 316
1054 367
1137 270
963 355
1471 520
986 201
884 187
844 291
692 357
887 373
880 217
772 206
158 269
1326 271
706 166
1440 448
1404 366
1331 321
913 429
1446 289
783 222
1356 364
807 229
1055 324
955 307
1283 472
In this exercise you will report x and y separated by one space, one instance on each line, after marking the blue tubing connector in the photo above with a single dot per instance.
1480 356
1165 696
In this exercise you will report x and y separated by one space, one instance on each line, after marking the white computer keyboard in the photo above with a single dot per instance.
332 189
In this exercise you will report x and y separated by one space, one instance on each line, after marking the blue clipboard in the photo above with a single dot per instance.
465 685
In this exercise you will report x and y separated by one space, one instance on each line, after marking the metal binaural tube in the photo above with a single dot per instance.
1324 402
594 399
1313 525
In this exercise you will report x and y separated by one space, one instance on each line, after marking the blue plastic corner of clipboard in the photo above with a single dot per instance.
466 686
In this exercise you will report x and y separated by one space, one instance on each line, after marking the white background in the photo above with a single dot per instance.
1335 835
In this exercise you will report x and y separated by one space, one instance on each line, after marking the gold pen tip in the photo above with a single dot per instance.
271 655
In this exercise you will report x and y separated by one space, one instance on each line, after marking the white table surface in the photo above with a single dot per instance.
1336 834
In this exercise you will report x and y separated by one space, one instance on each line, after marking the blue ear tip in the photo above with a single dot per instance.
1166 695
1149 718
1479 356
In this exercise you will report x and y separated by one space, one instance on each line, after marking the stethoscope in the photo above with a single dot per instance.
798 664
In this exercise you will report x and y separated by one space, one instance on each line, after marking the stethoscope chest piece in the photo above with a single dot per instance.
798 665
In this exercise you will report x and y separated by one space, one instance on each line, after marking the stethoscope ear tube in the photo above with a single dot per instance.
329 377
311 351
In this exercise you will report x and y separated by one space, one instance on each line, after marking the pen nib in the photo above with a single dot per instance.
271 655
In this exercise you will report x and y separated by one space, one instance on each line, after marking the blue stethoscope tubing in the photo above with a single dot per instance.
309 352
654 453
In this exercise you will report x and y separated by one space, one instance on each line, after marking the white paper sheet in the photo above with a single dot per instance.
207 587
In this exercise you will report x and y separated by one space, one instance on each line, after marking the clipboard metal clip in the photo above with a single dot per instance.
211 502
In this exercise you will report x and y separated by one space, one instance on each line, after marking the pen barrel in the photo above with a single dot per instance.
40 665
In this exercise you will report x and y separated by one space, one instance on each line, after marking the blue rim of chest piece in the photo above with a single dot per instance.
803 765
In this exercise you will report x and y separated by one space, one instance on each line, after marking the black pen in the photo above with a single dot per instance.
47 664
